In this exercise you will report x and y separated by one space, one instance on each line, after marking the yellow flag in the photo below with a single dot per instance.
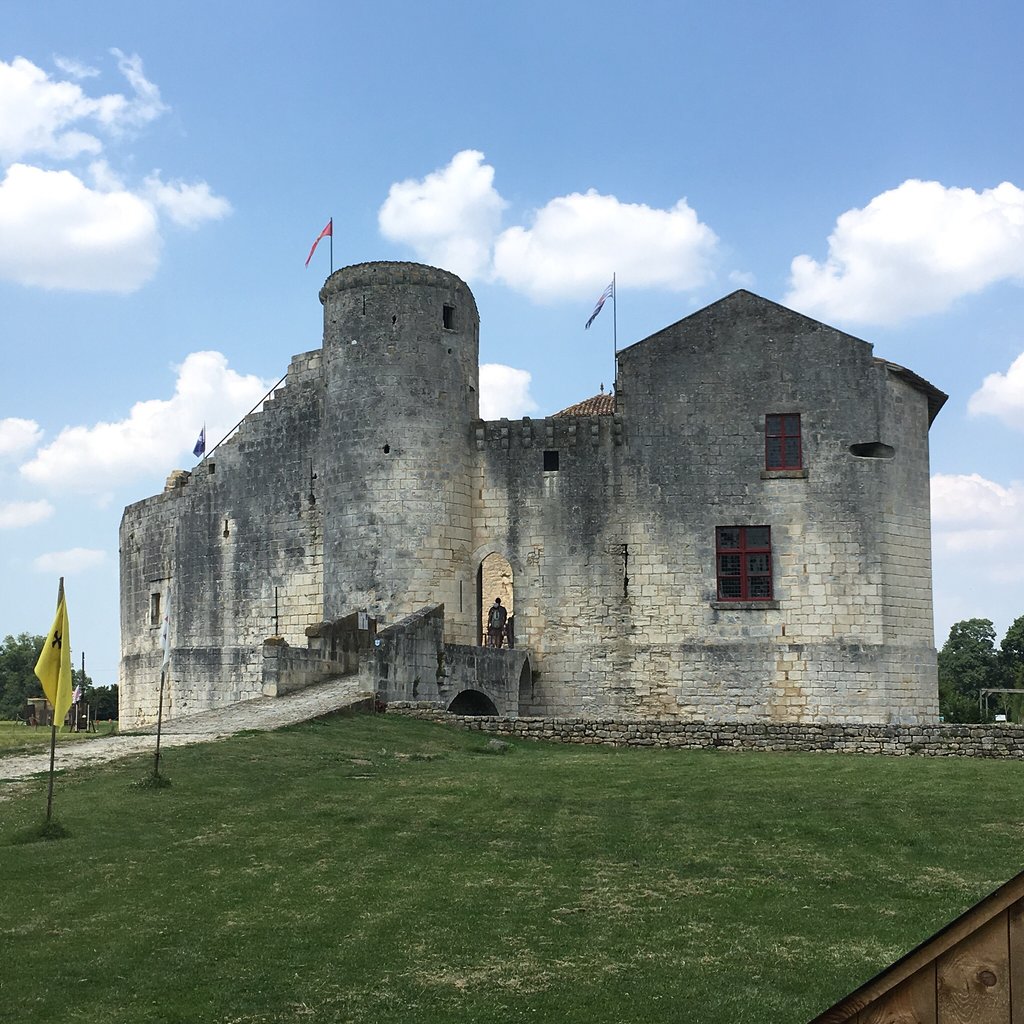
54 665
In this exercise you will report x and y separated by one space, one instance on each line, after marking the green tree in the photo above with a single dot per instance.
968 663
1011 657
18 682
104 702
1011 652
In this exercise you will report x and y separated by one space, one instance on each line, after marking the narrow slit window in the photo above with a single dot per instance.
782 442
448 317
154 609
744 563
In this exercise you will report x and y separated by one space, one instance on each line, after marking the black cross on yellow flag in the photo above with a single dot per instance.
54 665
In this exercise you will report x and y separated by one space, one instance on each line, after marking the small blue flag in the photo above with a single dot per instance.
200 448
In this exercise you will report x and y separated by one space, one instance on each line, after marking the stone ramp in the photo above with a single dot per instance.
262 714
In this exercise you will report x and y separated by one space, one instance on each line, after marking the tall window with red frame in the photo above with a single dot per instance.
782 447
744 556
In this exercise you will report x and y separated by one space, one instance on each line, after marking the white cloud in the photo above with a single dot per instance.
74 68
15 514
56 232
155 437
452 218
911 251
17 435
505 391
1002 395
576 241
449 218
971 513
145 105
36 114
45 117
73 560
187 205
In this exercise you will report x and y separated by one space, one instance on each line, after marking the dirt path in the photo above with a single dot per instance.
263 713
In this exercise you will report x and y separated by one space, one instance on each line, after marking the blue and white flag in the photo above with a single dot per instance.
200 448
606 294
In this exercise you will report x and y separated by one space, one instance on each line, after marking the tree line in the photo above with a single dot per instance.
18 682
970 662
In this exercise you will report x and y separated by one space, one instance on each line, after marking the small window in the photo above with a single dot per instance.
154 609
744 557
782 447
551 462
448 315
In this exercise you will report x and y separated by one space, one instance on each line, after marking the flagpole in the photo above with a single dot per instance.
159 726
331 236
165 644
53 728
615 332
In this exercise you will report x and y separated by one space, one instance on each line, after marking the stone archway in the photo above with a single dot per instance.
472 702
494 578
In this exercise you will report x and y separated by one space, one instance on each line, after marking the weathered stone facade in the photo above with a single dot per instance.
369 483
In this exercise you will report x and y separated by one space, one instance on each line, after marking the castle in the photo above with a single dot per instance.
741 532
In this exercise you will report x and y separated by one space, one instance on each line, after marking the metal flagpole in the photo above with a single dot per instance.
331 236
159 725
615 333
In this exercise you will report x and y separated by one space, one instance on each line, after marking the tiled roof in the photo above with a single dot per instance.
600 405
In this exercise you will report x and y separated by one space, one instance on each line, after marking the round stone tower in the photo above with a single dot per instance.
401 372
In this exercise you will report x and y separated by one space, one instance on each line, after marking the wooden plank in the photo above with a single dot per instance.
1016 936
973 978
912 1002
943 940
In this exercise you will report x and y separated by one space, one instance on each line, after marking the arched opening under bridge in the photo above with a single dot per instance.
472 702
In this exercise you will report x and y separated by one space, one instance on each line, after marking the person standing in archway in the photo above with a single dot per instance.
496 624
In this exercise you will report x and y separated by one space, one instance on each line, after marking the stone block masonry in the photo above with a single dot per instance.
1004 742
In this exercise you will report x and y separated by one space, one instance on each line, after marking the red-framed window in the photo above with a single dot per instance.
782 446
744 558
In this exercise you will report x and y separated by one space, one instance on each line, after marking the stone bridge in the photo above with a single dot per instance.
408 661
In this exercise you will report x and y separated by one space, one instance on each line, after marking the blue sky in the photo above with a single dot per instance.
164 170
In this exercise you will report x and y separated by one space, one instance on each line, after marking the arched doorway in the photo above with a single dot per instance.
494 580
472 702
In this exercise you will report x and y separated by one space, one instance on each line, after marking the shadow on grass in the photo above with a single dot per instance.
44 832
154 780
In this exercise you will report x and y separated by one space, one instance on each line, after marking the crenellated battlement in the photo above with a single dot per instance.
550 432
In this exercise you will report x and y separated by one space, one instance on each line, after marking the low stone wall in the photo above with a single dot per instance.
997 741
332 649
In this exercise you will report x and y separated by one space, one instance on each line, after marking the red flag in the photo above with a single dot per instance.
329 230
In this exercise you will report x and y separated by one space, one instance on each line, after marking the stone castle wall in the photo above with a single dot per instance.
368 482
239 545
614 553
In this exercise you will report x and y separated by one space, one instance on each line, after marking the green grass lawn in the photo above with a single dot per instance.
17 738
282 879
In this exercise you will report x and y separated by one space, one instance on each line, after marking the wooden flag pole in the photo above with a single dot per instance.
53 730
